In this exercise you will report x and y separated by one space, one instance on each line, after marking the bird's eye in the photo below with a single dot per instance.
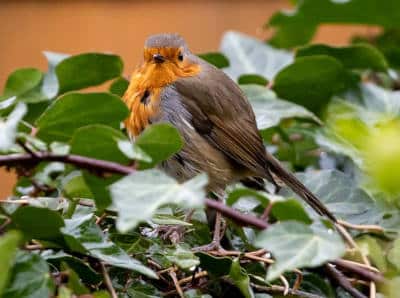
180 57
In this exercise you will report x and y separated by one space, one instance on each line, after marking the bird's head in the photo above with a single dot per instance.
168 57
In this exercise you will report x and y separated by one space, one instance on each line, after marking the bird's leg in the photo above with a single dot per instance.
175 233
218 233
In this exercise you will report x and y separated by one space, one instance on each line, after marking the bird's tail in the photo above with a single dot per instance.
290 180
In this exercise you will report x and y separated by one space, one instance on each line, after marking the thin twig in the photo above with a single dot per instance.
107 281
176 284
26 148
372 276
6 222
299 279
342 281
266 212
370 268
285 285
191 278
368 228
279 290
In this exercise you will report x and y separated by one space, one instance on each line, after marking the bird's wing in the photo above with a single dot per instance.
223 116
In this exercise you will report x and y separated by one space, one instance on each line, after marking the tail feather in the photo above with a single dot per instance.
290 180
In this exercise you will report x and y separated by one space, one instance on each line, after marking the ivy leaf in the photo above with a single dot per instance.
295 245
8 249
248 55
38 223
270 110
133 151
297 27
358 56
119 86
86 70
290 210
83 269
311 81
342 197
159 141
217 59
216 266
74 110
241 279
394 254
100 142
8 128
83 235
152 189
182 257
22 81
30 277
256 79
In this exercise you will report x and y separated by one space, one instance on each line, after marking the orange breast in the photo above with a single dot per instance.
150 79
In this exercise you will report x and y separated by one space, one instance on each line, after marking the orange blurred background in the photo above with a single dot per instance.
121 26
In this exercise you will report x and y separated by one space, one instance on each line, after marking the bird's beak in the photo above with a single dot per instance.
158 58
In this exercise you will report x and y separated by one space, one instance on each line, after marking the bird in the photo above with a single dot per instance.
213 116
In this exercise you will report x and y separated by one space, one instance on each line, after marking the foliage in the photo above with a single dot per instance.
92 214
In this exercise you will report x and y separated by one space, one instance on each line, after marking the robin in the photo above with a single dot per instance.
213 116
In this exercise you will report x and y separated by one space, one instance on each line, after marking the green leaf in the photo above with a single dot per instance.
166 219
152 189
311 81
85 271
74 186
215 58
394 254
341 195
99 142
159 141
86 70
297 27
38 223
74 110
295 245
30 277
99 187
246 199
358 56
8 128
22 80
241 279
256 79
133 151
270 110
119 86
8 249
83 235
182 257
290 210
216 266
249 55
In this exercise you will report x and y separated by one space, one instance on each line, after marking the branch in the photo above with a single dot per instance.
115 168
359 270
343 282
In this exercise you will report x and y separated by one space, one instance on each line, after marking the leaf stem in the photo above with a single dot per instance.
107 281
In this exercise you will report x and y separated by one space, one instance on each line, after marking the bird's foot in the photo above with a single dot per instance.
214 246
174 234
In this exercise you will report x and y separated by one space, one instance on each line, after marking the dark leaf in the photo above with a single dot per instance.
252 79
119 86
358 56
311 81
86 70
74 110
30 278
159 141
215 58
38 223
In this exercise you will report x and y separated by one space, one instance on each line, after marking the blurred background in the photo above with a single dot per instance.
120 27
